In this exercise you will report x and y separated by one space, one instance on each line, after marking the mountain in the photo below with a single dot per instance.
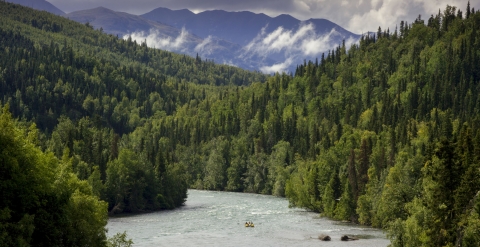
120 23
240 27
244 39
39 5
164 36
274 43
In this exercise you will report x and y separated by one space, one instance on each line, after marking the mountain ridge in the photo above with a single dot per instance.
253 41
283 39
162 36
237 20
118 23
39 5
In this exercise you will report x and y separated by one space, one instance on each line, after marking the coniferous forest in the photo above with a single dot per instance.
385 132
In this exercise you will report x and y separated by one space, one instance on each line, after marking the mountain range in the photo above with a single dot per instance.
161 36
241 27
243 39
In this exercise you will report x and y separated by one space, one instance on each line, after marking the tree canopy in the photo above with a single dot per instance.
384 132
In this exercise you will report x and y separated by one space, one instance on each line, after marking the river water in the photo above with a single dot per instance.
212 218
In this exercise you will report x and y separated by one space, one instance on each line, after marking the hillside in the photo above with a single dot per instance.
384 132
86 92
39 5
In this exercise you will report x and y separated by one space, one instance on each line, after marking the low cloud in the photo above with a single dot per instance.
304 41
285 40
279 67
321 44
280 40
293 46
203 47
157 40
230 63
290 47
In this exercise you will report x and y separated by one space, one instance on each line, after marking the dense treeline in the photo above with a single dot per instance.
384 133
87 90
85 103
43 202
51 62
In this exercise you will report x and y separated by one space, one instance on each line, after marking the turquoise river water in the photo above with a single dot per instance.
218 219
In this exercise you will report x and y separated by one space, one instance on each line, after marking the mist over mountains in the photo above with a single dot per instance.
267 44
243 39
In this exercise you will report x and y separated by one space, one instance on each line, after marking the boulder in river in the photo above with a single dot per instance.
347 238
324 237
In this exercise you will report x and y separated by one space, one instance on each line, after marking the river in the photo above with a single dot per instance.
212 218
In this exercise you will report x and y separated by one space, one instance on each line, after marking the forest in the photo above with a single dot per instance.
384 133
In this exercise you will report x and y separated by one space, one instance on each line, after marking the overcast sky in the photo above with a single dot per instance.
356 16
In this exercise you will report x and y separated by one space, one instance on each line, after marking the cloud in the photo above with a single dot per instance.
432 6
371 14
292 46
282 39
304 41
279 67
385 12
316 45
354 15
203 48
230 63
155 39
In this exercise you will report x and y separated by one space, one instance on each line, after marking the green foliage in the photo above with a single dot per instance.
384 132
472 228
43 202
119 240
216 166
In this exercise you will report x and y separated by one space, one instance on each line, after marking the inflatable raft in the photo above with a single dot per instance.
249 224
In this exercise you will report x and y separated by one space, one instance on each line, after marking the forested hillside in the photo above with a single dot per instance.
86 92
385 132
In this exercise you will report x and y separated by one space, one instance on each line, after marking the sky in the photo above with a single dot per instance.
357 16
